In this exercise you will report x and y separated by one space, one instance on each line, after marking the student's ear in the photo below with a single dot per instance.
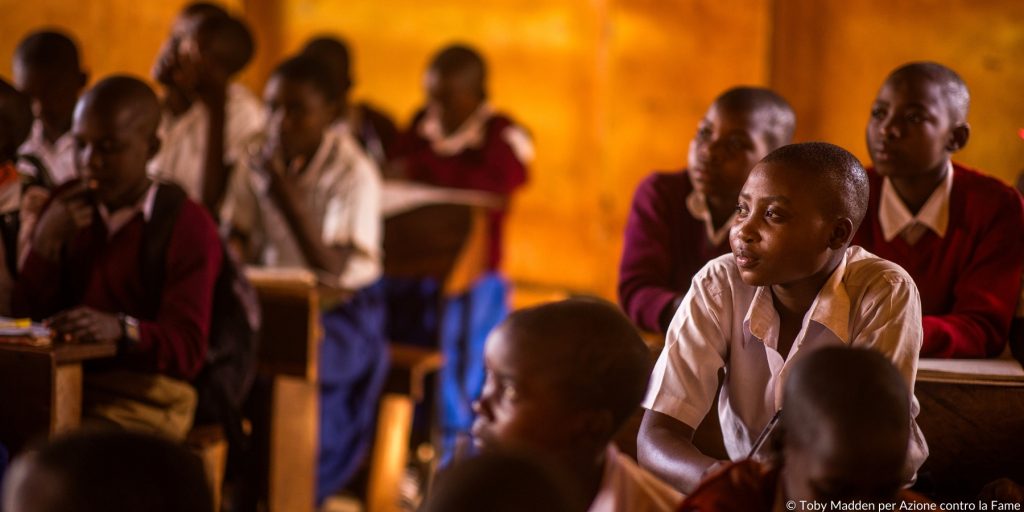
842 232
958 137
598 427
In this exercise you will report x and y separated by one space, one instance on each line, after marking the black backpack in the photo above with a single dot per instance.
229 370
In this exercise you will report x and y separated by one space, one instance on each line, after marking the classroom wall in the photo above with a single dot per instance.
610 89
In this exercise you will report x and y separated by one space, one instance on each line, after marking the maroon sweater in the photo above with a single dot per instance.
664 247
493 167
969 279
105 275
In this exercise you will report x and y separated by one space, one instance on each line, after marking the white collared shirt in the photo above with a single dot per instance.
697 205
121 217
896 219
471 133
182 154
59 157
627 486
341 191
722 322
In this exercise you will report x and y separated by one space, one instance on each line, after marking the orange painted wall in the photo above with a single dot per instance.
611 89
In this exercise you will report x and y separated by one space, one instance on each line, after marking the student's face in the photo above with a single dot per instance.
168 59
298 115
521 405
111 150
453 93
780 235
53 93
910 130
725 148
833 470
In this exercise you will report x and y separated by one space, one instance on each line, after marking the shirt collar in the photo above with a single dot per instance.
117 219
830 309
894 217
697 205
469 135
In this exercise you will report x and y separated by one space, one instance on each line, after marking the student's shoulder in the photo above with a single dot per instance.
984 188
719 275
669 188
865 268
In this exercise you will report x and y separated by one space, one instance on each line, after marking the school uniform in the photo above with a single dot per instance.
748 486
964 250
373 129
58 157
145 387
669 237
341 191
627 486
724 323
488 153
182 154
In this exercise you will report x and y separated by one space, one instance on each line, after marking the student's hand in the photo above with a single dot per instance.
70 211
33 199
84 324
270 162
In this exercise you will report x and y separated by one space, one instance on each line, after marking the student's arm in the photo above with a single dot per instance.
215 170
645 271
353 217
986 291
684 382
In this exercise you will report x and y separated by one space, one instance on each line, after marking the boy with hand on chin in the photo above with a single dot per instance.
792 284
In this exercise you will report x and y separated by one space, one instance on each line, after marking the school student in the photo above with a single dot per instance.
15 124
843 438
680 220
84 275
561 379
311 198
791 284
956 231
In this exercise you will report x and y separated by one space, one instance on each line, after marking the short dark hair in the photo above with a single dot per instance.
606 362
461 58
333 53
231 41
499 482
50 50
304 68
16 116
204 9
954 90
841 179
776 114
124 92
120 471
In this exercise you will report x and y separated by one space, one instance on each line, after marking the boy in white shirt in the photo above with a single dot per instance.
310 198
791 284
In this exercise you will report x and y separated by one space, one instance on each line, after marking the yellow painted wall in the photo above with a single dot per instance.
611 89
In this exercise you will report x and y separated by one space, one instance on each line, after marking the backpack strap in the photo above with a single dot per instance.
42 177
156 239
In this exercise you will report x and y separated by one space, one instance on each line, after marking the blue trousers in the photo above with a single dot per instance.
353 368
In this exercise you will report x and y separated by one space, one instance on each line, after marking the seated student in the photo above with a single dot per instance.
498 482
107 471
84 276
680 220
843 437
561 379
791 284
311 198
208 119
458 140
958 233
375 130
46 67
15 124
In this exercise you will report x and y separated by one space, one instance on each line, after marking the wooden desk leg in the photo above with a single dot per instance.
67 398
390 450
293 445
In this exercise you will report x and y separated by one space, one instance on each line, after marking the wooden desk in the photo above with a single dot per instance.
41 389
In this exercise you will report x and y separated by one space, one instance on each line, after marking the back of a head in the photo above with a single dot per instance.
229 39
16 118
852 397
119 93
304 68
603 361
772 111
498 482
109 471
834 175
954 89
50 50
333 53
460 59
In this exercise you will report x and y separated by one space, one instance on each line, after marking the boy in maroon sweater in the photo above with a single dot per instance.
680 220
83 272
959 233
